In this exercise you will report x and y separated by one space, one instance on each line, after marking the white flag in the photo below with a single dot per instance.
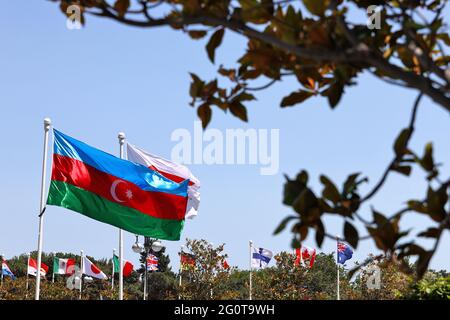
260 257
171 170
92 270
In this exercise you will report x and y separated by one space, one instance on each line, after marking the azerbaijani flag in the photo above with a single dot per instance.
127 195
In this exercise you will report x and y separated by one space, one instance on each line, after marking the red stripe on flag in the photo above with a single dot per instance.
157 204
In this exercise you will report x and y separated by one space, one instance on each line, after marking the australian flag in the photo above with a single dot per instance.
344 252
6 271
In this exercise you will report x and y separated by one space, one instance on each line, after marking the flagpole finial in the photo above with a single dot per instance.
47 123
121 137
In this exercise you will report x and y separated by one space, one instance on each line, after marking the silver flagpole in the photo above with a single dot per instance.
82 271
112 278
337 263
53 267
1 274
181 271
28 263
250 282
145 274
47 125
121 137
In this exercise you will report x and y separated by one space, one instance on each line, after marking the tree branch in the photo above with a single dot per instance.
397 158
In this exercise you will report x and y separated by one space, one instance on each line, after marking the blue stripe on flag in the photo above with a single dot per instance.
140 175
259 256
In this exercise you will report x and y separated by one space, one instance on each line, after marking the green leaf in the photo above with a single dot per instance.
427 161
320 233
295 97
214 43
196 86
405 170
283 224
351 234
305 201
121 6
238 110
401 142
197 34
334 94
330 191
379 218
350 184
316 7
244 96
204 113
417 206
430 233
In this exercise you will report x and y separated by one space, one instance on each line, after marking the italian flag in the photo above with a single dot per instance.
63 266
127 266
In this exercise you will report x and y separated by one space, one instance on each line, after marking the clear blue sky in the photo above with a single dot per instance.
108 78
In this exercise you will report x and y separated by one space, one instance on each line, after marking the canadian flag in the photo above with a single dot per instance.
92 270
32 268
303 254
171 170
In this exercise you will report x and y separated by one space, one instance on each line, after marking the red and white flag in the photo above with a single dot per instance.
92 270
171 170
305 254
32 268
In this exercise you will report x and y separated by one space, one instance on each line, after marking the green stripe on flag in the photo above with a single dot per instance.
116 264
89 204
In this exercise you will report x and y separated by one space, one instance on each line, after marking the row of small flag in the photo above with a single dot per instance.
304 256
66 266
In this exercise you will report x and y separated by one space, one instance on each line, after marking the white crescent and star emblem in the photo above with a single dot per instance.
114 185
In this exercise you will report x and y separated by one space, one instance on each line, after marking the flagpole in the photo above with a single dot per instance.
121 137
250 282
81 275
181 271
112 278
28 263
145 274
1 275
47 125
337 263
53 268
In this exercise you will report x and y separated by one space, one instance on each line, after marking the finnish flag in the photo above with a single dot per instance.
260 257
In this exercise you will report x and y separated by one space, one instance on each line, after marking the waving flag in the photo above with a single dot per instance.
63 266
92 270
124 194
6 271
171 170
127 266
32 267
187 260
303 254
260 257
344 252
152 263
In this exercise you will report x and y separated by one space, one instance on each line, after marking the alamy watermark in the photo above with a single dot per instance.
229 147
74 17
374 17
373 277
